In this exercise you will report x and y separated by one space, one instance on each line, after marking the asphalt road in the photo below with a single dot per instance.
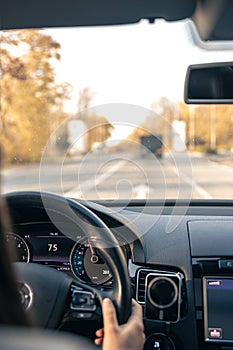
126 176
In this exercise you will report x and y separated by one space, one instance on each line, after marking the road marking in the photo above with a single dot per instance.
205 194
87 185
200 190
222 166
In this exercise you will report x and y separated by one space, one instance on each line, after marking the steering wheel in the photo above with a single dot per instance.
50 294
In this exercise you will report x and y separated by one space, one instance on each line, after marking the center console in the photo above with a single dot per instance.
191 307
212 266
213 286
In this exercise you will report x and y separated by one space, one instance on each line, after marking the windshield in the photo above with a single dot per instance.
98 113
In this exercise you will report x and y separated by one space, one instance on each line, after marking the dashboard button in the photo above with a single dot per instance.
225 264
159 341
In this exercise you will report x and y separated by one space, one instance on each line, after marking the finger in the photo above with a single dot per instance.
99 333
136 312
109 315
98 341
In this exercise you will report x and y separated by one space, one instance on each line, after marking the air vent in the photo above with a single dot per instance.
140 287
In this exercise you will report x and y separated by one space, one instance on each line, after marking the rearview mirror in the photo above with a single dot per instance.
209 83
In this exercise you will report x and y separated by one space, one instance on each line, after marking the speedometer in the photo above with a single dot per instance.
87 265
20 247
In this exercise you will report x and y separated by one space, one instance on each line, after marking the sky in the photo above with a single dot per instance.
135 64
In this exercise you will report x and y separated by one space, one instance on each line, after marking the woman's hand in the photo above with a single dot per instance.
121 337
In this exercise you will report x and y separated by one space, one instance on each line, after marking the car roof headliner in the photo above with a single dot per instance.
213 18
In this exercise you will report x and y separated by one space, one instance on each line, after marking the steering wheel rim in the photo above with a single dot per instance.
107 245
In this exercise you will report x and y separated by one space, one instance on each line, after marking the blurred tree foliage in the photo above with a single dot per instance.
208 127
98 128
207 119
31 101
158 123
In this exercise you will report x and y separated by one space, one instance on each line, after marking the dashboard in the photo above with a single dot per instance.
180 261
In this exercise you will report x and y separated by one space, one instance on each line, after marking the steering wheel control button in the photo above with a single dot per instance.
163 296
79 299
159 341
83 301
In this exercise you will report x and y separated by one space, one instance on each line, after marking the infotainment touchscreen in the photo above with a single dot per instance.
218 309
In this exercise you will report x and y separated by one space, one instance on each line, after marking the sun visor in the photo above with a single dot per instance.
58 13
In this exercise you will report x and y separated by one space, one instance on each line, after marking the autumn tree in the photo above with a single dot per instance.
98 127
11 68
207 121
31 101
85 97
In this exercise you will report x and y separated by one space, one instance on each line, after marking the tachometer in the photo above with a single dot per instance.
20 247
87 265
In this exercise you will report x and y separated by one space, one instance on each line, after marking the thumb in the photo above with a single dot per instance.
109 315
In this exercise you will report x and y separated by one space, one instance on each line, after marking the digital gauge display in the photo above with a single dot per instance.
51 248
87 265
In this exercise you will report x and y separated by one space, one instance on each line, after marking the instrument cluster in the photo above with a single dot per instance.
43 243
